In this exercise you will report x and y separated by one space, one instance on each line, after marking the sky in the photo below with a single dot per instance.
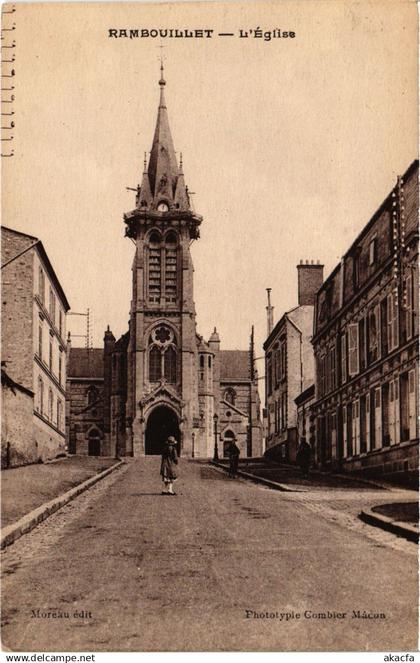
289 145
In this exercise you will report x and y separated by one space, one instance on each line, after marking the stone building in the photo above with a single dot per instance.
289 365
34 309
162 378
366 346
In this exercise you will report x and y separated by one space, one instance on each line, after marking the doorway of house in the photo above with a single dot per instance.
162 423
94 445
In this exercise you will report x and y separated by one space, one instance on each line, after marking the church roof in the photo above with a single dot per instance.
85 363
163 180
235 365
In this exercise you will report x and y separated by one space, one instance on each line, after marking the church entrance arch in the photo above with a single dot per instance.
161 423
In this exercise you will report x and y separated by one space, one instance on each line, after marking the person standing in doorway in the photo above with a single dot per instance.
168 466
233 453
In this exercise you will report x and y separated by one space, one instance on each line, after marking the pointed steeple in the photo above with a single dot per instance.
181 196
163 168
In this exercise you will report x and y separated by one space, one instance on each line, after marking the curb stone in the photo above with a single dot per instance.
256 479
12 532
396 527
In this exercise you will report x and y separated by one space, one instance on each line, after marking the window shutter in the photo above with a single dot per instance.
397 435
343 359
409 304
367 422
391 413
378 419
353 349
389 315
344 431
412 402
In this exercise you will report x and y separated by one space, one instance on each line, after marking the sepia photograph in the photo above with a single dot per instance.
209 287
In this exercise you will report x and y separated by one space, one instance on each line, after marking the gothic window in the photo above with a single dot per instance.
202 361
170 365
163 267
162 355
155 368
230 395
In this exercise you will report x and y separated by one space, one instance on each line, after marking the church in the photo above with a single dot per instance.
161 377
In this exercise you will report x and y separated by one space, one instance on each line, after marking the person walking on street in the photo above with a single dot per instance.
303 457
168 466
233 452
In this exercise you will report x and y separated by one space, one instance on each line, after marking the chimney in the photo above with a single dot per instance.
310 278
269 310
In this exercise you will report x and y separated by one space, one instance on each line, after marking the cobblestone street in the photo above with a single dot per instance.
124 568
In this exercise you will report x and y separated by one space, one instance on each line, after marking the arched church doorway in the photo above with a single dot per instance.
228 438
94 445
162 423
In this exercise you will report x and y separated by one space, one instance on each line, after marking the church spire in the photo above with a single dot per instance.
163 169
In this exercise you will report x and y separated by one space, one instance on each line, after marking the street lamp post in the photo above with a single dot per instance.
216 452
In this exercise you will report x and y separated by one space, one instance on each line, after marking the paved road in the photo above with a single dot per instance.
132 570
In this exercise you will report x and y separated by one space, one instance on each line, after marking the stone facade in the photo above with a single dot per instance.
366 346
34 309
162 378
289 366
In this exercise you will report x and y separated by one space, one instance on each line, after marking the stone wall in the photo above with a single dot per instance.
18 444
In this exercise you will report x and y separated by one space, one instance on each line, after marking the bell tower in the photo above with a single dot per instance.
162 389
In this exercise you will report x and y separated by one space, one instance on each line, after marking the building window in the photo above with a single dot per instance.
353 338
372 251
356 428
412 404
377 419
385 414
269 375
230 396
60 368
163 355
155 267
356 269
405 413
40 399
170 365
209 362
40 341
60 322
50 355
59 414
392 322
41 285
333 366
52 305
343 358
373 333
155 369
409 307
92 395
50 405
171 271
394 412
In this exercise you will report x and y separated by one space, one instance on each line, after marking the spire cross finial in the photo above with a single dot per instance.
161 57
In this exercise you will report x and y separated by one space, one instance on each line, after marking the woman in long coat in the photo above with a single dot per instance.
168 465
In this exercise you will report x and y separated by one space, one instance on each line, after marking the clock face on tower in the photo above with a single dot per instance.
163 207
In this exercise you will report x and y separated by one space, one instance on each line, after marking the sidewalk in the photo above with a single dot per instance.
330 494
26 488
289 477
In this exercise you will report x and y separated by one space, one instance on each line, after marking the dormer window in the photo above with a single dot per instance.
372 251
